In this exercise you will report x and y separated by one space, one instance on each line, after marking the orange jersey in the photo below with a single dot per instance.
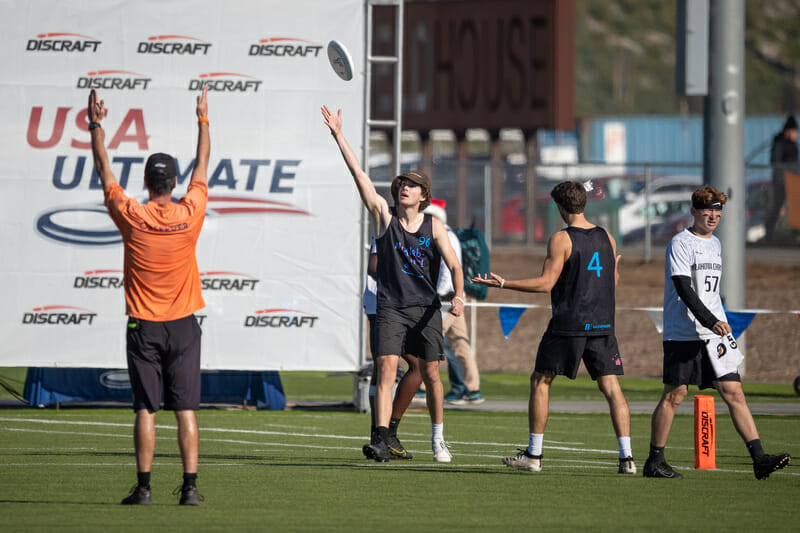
162 281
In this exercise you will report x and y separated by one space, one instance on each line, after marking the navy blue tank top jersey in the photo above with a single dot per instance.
583 296
408 265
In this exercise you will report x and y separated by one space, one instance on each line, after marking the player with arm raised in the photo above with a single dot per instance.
580 272
162 292
410 246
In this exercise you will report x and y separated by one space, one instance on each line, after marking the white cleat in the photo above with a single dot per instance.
524 461
627 466
441 451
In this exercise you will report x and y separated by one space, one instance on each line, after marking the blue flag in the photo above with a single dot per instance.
739 321
509 316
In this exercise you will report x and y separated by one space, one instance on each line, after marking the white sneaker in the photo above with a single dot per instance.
524 461
626 466
441 451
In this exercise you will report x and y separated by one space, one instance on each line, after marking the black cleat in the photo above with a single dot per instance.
189 495
397 450
138 496
659 469
368 451
767 464
379 451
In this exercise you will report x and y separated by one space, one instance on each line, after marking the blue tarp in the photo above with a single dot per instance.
49 386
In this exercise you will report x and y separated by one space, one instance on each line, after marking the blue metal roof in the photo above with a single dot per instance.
677 139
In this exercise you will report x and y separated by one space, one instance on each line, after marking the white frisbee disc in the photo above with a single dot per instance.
340 60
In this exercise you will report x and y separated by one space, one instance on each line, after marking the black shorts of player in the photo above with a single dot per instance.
561 355
686 363
373 339
414 331
168 351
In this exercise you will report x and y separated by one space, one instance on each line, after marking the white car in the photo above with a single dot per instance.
668 197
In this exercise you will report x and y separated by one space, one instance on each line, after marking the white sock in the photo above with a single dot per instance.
625 447
535 443
437 430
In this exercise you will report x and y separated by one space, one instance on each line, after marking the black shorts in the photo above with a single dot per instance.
414 331
561 355
686 363
373 340
168 351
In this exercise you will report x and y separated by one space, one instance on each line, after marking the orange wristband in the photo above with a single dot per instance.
203 119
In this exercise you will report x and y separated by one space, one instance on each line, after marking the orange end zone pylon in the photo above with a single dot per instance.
705 443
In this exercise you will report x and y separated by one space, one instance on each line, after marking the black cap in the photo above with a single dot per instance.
791 123
160 166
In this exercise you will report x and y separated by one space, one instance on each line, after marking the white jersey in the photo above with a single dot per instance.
700 260
444 285
370 298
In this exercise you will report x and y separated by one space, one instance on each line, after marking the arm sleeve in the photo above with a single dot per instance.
683 285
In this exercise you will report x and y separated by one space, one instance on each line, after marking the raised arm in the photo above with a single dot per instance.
373 201
203 141
558 250
97 112
451 260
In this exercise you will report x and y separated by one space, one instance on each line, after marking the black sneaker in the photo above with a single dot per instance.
397 450
379 451
138 496
659 469
368 451
189 495
767 464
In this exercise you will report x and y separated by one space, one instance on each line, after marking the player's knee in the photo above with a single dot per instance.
732 395
430 373
538 380
675 397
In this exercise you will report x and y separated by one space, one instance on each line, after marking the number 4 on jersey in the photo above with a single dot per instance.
594 264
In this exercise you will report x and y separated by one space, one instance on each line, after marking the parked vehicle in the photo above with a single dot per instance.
668 198
756 205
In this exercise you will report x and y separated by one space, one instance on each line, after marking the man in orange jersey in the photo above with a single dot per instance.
162 291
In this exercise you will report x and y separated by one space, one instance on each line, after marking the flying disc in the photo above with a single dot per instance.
340 60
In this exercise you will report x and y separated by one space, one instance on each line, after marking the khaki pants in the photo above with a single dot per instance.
455 330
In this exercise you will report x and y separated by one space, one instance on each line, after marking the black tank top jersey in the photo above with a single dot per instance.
583 296
408 265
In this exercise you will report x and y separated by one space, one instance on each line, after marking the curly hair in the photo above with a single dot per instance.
570 195
707 197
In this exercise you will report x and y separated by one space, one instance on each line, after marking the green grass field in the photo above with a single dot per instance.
302 470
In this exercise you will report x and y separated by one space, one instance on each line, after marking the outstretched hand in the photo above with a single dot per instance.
202 103
490 280
334 122
97 110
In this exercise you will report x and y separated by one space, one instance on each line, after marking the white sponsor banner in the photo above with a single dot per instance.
279 250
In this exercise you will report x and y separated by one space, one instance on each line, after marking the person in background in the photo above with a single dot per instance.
408 383
465 379
784 153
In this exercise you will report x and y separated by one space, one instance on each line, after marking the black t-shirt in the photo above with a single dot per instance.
408 265
583 297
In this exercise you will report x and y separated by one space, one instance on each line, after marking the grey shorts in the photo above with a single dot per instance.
414 331
561 355
686 363
164 354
